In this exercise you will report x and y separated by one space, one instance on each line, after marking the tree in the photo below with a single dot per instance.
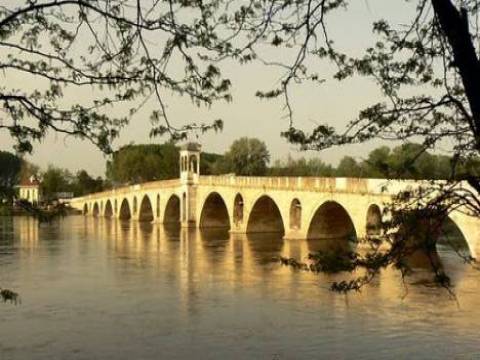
428 72
348 167
54 181
140 163
84 184
247 156
28 170
10 166
301 167
411 161
111 49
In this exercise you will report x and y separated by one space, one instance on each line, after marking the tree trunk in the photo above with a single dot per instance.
454 24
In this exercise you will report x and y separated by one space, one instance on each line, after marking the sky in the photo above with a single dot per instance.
332 103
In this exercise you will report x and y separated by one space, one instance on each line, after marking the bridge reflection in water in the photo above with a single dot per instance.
197 252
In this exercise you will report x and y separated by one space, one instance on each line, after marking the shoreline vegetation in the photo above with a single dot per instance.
43 213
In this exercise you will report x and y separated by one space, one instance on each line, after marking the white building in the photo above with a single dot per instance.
30 190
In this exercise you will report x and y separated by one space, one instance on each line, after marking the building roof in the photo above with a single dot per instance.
191 146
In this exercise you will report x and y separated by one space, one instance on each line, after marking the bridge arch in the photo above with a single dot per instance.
146 210
125 212
265 217
108 211
331 220
96 210
238 206
295 214
452 237
85 209
171 215
214 213
374 220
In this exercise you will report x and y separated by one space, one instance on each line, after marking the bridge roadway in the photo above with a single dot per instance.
299 207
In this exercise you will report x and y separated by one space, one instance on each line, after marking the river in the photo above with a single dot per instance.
102 289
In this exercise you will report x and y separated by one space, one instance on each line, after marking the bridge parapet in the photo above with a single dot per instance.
301 183
161 184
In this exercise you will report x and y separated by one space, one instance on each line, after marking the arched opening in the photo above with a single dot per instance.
96 210
135 205
331 229
125 213
295 214
146 211
172 211
214 213
452 238
238 210
184 207
374 220
434 241
158 206
193 164
331 221
182 163
108 209
85 209
265 217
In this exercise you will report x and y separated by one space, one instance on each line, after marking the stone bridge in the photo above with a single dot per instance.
298 207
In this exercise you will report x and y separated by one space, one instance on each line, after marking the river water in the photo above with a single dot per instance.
101 289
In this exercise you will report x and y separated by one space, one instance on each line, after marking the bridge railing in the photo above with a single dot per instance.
320 184
291 183
161 184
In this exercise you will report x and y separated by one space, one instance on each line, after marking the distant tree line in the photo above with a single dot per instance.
250 157
406 161
55 181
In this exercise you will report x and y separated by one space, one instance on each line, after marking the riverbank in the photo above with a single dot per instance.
49 211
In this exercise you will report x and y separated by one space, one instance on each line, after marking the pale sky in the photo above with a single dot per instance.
246 115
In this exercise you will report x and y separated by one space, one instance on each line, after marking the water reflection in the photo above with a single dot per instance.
133 290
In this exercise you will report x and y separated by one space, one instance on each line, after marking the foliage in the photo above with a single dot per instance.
301 167
84 184
148 162
9 296
55 180
247 156
348 167
110 49
10 166
28 170
405 161
211 164
139 163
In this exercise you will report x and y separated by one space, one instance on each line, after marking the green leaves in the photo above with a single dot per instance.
247 156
